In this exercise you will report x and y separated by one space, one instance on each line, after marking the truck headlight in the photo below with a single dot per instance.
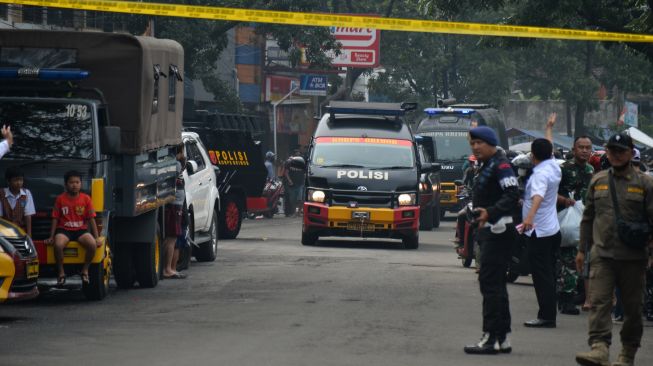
316 196
406 199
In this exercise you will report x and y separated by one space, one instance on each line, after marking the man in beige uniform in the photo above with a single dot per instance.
613 263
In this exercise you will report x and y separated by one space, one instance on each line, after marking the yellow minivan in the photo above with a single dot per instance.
19 264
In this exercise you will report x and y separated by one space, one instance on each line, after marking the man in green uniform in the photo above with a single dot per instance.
613 262
576 176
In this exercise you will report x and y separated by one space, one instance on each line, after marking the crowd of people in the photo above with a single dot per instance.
612 255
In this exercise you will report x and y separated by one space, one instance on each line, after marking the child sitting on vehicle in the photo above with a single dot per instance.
16 202
72 215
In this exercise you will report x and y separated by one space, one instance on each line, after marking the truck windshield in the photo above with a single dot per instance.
371 153
48 129
450 145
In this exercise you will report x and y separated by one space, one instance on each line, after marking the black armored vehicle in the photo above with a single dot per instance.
363 175
449 127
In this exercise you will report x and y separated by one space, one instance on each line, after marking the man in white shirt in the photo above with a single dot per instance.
542 230
5 145
16 202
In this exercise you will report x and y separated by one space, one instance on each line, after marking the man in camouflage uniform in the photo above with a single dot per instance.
576 176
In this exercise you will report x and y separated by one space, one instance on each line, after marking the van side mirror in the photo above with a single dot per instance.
191 167
430 168
110 140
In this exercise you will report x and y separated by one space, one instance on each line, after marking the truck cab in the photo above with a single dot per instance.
97 103
449 128
363 175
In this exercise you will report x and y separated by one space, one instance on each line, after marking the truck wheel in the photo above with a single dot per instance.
411 242
148 262
231 218
426 219
208 251
435 213
309 239
98 285
123 265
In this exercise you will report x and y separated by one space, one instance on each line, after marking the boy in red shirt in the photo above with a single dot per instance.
72 216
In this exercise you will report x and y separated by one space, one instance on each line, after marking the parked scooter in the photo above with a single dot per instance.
273 191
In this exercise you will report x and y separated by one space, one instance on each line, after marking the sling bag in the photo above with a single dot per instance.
634 234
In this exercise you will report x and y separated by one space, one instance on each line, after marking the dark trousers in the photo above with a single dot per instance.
542 255
495 256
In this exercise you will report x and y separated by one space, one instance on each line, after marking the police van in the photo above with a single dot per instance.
363 174
449 126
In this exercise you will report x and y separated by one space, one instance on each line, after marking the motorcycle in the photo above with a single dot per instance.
273 191
467 248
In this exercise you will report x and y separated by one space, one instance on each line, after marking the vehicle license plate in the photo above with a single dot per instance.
360 215
32 270
360 226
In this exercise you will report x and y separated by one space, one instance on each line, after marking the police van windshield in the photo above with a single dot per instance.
371 153
450 145
48 130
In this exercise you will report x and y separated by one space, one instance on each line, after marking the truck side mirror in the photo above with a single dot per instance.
110 140
430 168
191 167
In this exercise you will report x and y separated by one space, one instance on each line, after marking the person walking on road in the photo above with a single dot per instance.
494 195
542 230
618 198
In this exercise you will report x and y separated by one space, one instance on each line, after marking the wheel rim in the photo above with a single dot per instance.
232 216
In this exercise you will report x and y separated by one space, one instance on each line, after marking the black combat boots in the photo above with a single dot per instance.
489 345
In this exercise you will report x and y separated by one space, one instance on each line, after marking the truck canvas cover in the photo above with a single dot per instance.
123 68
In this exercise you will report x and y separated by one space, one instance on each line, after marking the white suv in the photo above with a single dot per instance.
203 200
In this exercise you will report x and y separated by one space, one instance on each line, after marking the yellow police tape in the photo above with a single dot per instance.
337 20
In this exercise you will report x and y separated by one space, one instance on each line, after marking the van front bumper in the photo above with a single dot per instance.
396 223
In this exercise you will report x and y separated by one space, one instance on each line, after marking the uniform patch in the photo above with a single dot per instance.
601 187
505 166
508 182
635 190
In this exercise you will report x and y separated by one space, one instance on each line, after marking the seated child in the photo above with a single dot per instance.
72 215
16 202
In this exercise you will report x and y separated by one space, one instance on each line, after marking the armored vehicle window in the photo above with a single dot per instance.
450 145
49 130
372 153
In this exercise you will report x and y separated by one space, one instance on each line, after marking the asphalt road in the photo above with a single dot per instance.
269 301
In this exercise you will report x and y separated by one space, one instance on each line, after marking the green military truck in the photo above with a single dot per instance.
109 106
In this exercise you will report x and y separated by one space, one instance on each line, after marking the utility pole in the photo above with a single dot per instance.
274 115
